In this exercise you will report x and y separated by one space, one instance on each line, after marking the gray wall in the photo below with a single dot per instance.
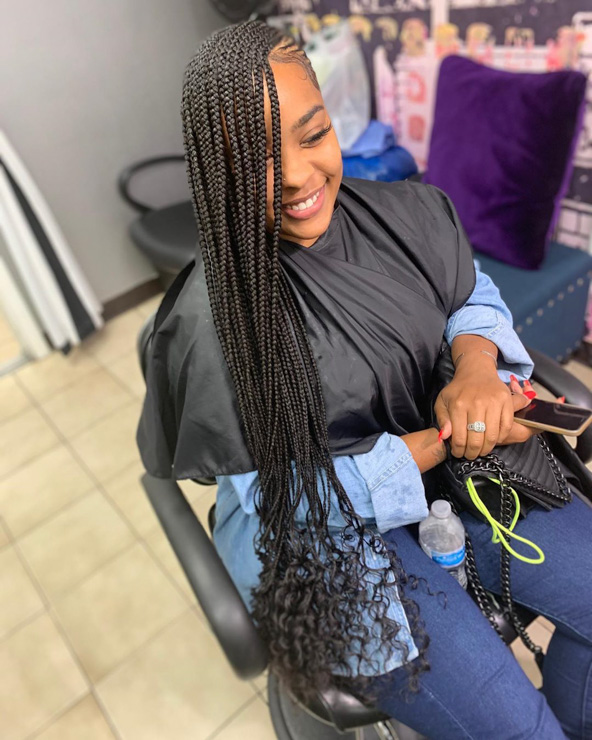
85 89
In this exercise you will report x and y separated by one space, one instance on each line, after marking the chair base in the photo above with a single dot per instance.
292 722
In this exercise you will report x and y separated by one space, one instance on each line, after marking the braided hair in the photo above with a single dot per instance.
315 587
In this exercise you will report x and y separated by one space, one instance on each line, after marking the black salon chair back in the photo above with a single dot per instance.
334 712
168 235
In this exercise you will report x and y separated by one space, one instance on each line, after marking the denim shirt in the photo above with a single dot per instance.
384 485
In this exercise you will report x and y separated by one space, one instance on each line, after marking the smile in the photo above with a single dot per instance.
306 208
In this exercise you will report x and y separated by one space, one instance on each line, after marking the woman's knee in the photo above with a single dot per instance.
472 694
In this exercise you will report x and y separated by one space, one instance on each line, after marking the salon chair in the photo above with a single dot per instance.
166 236
335 713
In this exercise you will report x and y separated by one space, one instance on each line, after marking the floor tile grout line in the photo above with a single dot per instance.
231 718
7 532
95 487
62 389
12 416
60 595
5 476
60 713
51 613
92 477
139 538
55 392
62 440
68 442
93 685
39 404
55 717
168 575
116 509
29 460
105 712
97 370
50 517
94 422
23 623
116 378
32 576
142 538
117 357
150 639
102 364
49 607
94 371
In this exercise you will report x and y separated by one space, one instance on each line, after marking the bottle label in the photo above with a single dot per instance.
449 559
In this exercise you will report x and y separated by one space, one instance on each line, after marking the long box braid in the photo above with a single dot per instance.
312 597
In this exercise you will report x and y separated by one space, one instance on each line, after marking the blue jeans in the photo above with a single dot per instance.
475 688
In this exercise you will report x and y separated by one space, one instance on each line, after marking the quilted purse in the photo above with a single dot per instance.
529 468
499 488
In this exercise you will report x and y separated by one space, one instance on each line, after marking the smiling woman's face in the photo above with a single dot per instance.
311 158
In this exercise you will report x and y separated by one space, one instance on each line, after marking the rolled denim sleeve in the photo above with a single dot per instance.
394 482
486 315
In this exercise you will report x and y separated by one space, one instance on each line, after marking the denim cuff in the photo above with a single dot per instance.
487 322
394 482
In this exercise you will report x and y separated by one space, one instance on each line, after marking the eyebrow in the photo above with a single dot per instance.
303 120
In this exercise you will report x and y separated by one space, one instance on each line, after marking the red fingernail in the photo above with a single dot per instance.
561 399
440 433
527 384
530 394
514 378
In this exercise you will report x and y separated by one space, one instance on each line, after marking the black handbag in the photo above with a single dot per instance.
529 468
493 487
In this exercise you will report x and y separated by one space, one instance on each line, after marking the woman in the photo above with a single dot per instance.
295 364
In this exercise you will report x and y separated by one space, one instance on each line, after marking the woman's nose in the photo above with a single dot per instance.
296 171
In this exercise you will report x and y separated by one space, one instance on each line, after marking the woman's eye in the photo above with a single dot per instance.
320 135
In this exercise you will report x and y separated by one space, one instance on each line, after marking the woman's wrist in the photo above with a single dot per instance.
478 360
426 447
473 353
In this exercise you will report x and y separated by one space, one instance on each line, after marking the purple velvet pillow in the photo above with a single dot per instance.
502 147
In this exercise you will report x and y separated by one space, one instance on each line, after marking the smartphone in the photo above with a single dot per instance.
549 416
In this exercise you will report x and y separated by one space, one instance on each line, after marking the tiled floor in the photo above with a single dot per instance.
100 636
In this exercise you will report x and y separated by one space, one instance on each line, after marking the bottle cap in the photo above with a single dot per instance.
441 509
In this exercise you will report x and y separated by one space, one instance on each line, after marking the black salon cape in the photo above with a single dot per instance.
376 291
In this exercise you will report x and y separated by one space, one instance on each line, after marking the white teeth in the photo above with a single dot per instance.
304 204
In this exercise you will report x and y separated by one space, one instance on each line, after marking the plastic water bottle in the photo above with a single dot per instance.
442 538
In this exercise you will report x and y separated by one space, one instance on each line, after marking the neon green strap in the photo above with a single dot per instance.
499 528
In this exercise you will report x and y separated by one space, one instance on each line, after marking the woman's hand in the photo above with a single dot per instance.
477 394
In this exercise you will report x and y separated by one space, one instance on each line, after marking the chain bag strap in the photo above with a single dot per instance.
499 488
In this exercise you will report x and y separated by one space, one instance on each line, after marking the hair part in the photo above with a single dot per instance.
312 599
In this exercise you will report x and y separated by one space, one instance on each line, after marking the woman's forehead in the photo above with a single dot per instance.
297 94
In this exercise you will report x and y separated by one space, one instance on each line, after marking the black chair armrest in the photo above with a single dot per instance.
560 382
143 342
231 622
124 179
